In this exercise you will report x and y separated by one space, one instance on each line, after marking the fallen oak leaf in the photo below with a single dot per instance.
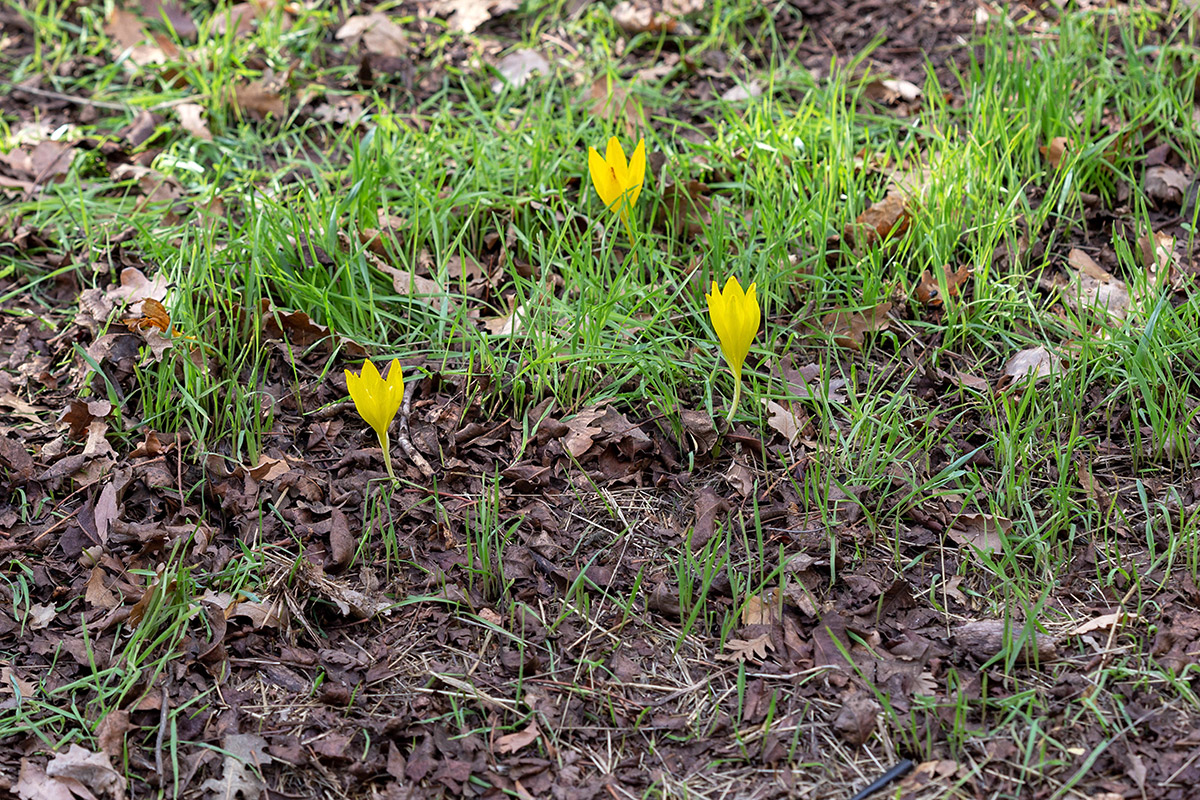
929 291
1056 150
887 217
512 742
849 328
1036 361
93 770
154 315
742 650
1104 622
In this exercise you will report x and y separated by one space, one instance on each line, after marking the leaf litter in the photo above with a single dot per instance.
324 680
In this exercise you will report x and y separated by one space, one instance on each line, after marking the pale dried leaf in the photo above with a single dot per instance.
191 119
755 649
1165 184
1056 150
518 67
93 770
377 33
785 420
244 752
1104 622
981 531
512 742
1036 361
97 594
467 15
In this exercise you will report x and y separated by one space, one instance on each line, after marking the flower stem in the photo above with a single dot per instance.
629 231
737 396
387 458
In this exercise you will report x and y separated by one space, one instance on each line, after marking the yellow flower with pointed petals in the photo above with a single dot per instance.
618 183
377 401
735 317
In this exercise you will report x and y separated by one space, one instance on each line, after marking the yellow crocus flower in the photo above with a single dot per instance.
377 401
735 317
618 183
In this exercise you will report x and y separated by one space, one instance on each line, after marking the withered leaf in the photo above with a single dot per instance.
1054 152
93 770
849 328
376 32
982 531
755 649
1036 361
928 291
512 742
882 219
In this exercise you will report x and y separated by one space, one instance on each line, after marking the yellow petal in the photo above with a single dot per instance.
395 388
637 172
603 178
615 158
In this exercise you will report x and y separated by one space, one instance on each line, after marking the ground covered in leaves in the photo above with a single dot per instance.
929 537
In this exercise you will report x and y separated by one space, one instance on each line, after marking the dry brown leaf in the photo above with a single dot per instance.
260 100
377 33
982 531
882 219
740 478
1104 622
191 119
901 96
742 92
754 650
616 103
518 67
244 754
39 616
34 784
93 770
508 324
175 15
467 15
11 682
240 17
1036 361
1092 286
789 421
97 594
928 291
1158 257
154 316
1054 152
512 742
47 161
685 208
1165 184
580 431
763 609
142 47
641 17
849 328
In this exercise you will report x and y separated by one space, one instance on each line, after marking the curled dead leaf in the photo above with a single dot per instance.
849 328
1056 150
1036 361
929 292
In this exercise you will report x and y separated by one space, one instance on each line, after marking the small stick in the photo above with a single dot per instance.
406 444
895 773
163 714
